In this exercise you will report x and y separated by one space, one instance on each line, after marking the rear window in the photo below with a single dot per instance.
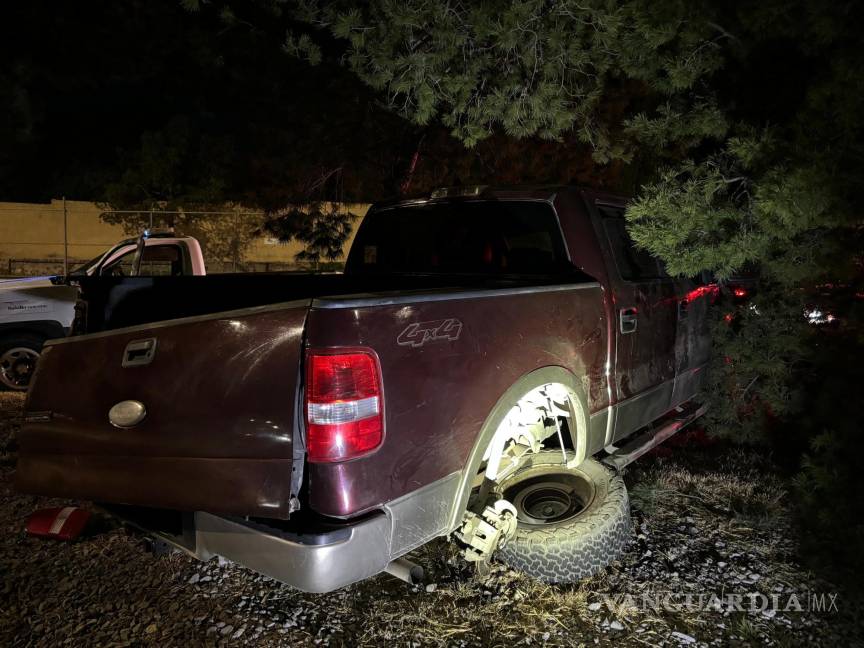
474 237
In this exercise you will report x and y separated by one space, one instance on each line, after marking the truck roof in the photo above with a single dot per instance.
504 192
153 235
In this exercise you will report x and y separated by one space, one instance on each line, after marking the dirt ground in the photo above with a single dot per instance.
710 522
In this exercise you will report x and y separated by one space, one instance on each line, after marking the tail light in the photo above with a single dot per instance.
739 292
344 405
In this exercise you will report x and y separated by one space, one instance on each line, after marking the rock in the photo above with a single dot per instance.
594 606
194 579
616 625
683 638
431 587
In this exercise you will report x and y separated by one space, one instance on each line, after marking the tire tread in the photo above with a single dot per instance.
570 551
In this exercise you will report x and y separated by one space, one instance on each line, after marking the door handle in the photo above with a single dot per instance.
139 353
628 319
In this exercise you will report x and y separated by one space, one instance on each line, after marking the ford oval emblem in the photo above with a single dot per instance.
126 414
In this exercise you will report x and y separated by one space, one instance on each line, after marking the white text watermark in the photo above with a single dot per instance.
754 602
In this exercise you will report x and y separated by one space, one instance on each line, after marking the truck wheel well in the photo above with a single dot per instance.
44 328
525 385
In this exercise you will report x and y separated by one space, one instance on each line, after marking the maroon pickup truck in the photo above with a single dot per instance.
484 368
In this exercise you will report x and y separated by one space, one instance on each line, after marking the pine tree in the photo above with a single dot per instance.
743 120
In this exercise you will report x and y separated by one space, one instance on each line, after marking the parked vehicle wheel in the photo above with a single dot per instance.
18 356
570 522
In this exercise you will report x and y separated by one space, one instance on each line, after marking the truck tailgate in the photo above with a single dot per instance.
219 394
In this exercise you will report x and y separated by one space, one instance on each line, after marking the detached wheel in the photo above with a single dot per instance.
570 523
18 356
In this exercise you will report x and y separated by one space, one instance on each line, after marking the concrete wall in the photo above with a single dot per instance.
35 231
31 239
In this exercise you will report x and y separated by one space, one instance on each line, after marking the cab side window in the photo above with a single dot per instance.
156 261
161 261
119 267
634 264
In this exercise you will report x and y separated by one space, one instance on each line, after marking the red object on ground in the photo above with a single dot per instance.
62 523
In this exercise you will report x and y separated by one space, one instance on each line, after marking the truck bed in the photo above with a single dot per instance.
118 302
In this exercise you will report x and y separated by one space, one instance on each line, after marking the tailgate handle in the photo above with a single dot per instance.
139 353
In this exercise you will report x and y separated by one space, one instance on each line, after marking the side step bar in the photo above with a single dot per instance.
654 435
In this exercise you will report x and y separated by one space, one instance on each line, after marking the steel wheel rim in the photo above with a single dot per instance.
550 498
17 366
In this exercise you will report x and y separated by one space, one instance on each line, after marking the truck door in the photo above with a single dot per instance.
693 342
646 328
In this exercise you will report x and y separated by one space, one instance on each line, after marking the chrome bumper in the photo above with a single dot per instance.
312 563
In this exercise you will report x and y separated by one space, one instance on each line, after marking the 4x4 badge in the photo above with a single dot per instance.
420 333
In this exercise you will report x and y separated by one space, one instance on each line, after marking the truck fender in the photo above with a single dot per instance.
532 380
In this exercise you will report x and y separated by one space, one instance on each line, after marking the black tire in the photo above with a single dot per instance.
573 543
18 352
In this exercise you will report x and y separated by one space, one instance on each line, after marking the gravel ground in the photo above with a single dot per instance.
710 522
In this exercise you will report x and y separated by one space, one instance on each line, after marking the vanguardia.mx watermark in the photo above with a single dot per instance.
770 604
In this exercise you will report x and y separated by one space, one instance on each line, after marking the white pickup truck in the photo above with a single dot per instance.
36 309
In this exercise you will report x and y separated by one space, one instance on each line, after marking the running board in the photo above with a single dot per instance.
653 436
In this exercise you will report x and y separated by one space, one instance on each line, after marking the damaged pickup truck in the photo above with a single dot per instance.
484 368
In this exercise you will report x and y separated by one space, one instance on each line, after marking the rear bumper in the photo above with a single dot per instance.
312 562
316 556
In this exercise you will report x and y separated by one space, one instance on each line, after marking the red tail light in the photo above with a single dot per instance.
344 405
739 292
